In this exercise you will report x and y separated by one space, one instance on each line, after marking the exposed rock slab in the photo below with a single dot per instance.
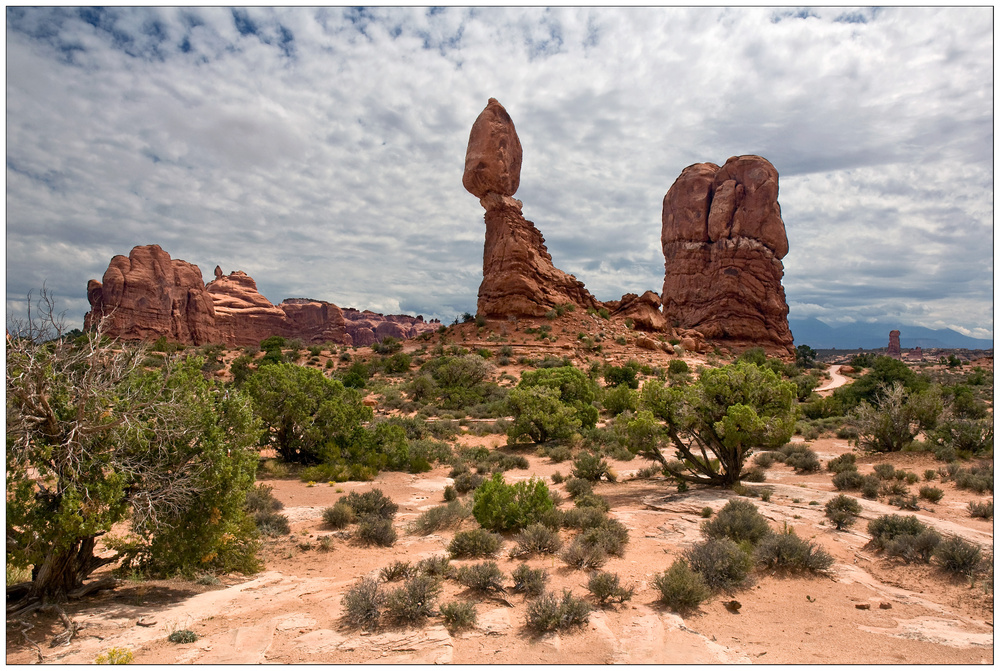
723 240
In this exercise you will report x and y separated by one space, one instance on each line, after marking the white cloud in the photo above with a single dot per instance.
321 150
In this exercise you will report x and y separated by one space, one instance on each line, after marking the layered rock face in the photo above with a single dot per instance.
519 278
893 349
148 295
723 240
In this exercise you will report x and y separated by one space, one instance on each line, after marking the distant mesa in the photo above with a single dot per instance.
723 240
148 295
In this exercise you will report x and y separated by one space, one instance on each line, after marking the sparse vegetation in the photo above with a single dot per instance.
475 543
786 551
607 588
723 564
483 577
739 520
459 615
843 511
680 587
529 581
551 613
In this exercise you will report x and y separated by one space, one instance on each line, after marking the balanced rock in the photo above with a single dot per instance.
519 278
723 240
147 295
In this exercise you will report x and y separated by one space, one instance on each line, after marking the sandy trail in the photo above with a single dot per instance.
837 380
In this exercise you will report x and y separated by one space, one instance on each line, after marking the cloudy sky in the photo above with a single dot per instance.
321 150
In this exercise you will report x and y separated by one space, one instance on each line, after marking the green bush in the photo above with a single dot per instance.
440 517
932 494
617 400
723 564
182 636
958 556
261 499
885 471
484 577
372 503
848 480
611 536
413 601
764 459
753 474
930 474
474 543
501 507
592 467
550 613
374 530
578 487
592 500
450 493
982 509
905 537
615 376
870 486
739 520
438 566
607 588
786 551
466 482
363 604
536 539
843 511
272 523
339 515
681 588
677 367
845 462
583 518
802 459
529 581
707 512
459 615
905 502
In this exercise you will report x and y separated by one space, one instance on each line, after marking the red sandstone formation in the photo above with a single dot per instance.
723 240
519 278
893 345
643 310
149 295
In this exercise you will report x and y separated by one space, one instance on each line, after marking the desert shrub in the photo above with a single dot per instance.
611 536
414 600
845 462
397 570
583 518
904 502
584 556
338 515
450 493
802 459
115 656
764 459
529 581
560 453
680 587
261 499
848 480
677 367
440 517
459 615
372 503
501 507
911 478
905 537
786 551
893 488
374 530
475 543
870 486
958 556
606 587
592 501
557 478
930 474
363 603
739 520
723 565
576 487
884 471
270 523
983 509
978 478
615 376
617 400
466 482
753 474
182 636
843 511
551 613
536 538
438 566
932 494
483 577
706 512
591 467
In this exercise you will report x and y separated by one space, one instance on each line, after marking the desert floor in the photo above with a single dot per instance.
868 609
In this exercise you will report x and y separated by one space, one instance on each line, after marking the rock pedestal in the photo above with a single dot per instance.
723 240
894 345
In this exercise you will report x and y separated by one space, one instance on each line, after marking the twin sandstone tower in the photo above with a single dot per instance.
722 238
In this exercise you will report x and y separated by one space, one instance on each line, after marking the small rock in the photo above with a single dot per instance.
885 605
862 606
733 606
